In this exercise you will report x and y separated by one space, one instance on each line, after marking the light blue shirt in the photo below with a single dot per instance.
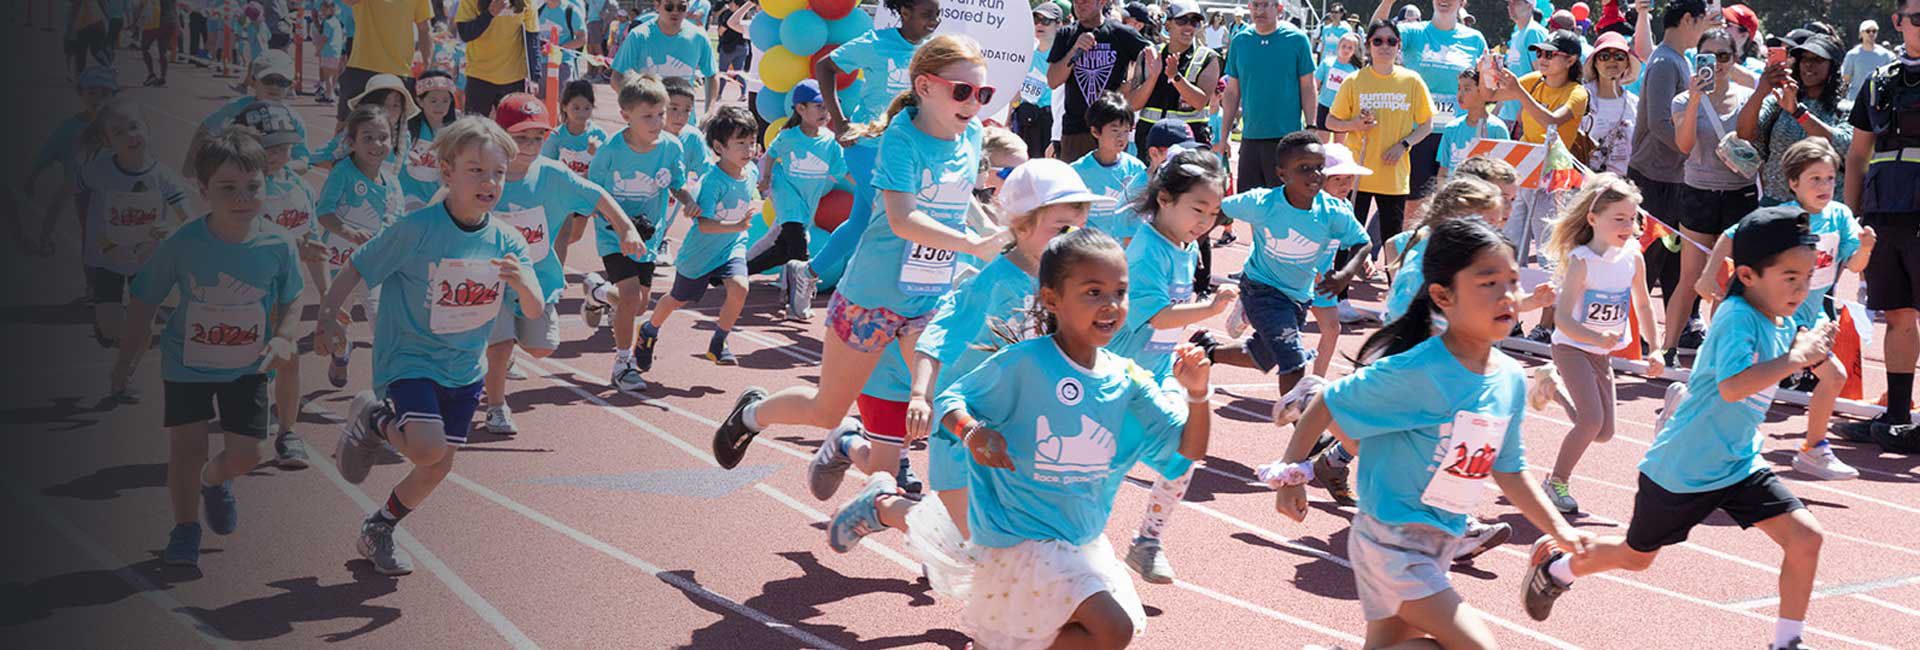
1000 298
887 271
436 321
1034 89
537 206
289 206
1839 235
1123 181
575 151
1407 282
882 55
1332 69
358 201
1710 443
420 177
803 170
695 154
1440 56
1402 410
1072 433
727 200
1159 275
648 50
1520 57
227 296
1288 242
640 183
1268 68
1458 137
1330 36
332 38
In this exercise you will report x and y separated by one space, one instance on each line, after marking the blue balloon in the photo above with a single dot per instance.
803 32
846 29
772 105
764 32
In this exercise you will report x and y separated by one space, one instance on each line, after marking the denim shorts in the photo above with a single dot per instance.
1276 321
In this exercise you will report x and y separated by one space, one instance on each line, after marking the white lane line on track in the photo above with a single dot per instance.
101 556
1836 590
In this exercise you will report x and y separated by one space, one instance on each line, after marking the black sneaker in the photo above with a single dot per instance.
1541 334
908 483
731 439
1541 589
643 348
1672 358
1691 339
1878 429
1205 340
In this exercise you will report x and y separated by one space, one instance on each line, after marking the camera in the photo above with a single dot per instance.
643 227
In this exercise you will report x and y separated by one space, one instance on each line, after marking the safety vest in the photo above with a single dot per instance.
1199 56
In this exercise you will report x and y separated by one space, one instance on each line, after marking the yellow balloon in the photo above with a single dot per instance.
780 8
773 129
780 69
766 212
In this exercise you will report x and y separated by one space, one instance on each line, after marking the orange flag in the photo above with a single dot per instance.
1846 347
1632 351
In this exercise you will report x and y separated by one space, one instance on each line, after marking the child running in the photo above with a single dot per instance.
1810 166
358 201
1602 276
446 270
578 138
131 203
1706 457
438 99
287 204
237 282
905 262
1109 170
332 43
802 165
1343 174
716 246
1435 416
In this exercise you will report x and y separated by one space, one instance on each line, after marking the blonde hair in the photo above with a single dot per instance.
1571 229
998 141
937 53
1462 197
641 89
472 131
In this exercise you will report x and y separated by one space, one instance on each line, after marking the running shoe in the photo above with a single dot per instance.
290 451
830 461
1560 494
1822 464
223 514
1332 479
514 373
644 340
731 439
376 545
1546 382
500 421
183 545
721 355
860 516
908 482
1237 319
593 311
359 437
337 370
1691 339
1149 559
1541 589
1541 334
1348 314
803 287
626 377
1483 537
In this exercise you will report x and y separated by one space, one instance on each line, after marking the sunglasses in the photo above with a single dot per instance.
1911 19
1045 22
1189 20
673 8
1550 54
1610 57
277 82
1385 42
962 91
1722 57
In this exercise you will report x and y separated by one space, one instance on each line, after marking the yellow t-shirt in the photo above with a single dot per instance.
1400 102
1552 98
383 41
499 56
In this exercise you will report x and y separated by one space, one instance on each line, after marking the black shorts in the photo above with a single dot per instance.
1426 166
1320 120
481 95
1711 212
692 289
240 404
620 267
1892 275
109 288
1657 197
1662 518
1259 164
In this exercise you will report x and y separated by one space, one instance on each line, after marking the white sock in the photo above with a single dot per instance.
600 292
1785 630
209 464
747 417
1562 570
1165 496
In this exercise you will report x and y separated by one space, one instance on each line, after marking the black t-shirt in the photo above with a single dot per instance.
730 39
1098 70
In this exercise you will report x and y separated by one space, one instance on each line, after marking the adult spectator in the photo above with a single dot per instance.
1863 59
1610 105
502 44
1805 102
735 51
1552 106
1713 195
1658 162
1439 50
1217 31
1270 83
388 34
1090 57
1526 33
671 46
1180 77
1882 171
1141 19
1382 111
1331 30
597 20
1032 114
1744 25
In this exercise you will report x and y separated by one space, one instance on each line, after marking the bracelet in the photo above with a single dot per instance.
1205 396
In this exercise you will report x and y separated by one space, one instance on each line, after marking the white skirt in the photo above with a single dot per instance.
1021 596
949 559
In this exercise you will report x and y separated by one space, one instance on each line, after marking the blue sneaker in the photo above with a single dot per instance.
183 545
908 482
860 517
223 515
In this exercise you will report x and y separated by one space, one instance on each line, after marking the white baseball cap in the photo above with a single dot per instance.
1041 182
1869 24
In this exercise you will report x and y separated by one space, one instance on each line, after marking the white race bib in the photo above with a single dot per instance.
223 337
421 165
288 216
1336 78
1468 447
462 295
131 230
532 224
1604 309
576 160
1444 106
1164 340
1826 262
926 271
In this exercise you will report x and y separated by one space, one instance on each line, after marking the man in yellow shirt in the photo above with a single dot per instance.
501 38
388 33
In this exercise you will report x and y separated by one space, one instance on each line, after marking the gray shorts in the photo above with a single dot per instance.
1393 565
541 333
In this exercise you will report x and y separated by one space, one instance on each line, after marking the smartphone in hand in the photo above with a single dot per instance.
1703 66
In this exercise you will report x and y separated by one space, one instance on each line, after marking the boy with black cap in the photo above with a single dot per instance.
269 79
1706 456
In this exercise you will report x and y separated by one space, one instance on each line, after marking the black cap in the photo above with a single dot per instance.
1768 231
1820 45
1562 41
1139 12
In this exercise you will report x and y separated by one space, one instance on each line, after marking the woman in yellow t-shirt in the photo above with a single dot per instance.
1381 112
1551 99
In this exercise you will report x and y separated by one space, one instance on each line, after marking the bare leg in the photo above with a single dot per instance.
1100 623
843 370
425 444
1800 537
1820 404
499 358
187 453
956 503
1329 321
1451 622
627 306
736 300
1692 262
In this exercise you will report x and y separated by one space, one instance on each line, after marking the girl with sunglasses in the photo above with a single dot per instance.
1611 106
1803 101
1384 129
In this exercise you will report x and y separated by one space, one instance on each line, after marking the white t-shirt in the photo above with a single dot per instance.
1610 123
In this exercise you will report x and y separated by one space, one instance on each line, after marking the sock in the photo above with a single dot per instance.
622 355
1899 397
203 474
394 511
1562 570
1166 496
600 293
1338 456
747 416
719 339
1785 630
1810 447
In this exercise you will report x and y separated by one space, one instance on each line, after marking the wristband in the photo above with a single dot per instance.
1205 396
1279 473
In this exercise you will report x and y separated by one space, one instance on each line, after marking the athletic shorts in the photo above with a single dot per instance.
240 404
1662 518
1395 565
1711 212
1277 320
869 330
1892 276
883 421
620 267
423 400
109 288
541 333
691 290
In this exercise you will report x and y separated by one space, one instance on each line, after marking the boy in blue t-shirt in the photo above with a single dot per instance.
1458 137
716 247
444 271
237 281
1706 456
1109 170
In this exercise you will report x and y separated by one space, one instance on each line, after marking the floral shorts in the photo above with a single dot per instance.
869 330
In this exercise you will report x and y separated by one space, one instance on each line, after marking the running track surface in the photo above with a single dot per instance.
606 523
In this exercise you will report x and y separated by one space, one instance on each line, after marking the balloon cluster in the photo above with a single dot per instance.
793 35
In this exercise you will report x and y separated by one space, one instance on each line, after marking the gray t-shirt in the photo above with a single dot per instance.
1860 64
1703 168
1665 76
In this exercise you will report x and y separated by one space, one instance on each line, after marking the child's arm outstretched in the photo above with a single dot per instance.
1192 369
1810 347
909 223
1291 499
1334 283
1643 310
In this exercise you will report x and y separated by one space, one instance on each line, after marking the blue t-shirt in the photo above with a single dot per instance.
1072 432
1440 55
1268 68
440 292
1710 443
575 150
881 56
1408 412
640 183
1159 275
228 293
1000 298
1407 282
1330 36
420 176
1457 138
287 206
1034 89
648 50
893 273
537 206
364 203
63 146
1839 235
1123 181
1288 242
803 170
725 200
333 38
1520 57
694 152
1331 74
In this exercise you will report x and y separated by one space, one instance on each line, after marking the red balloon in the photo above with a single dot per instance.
1580 11
833 9
841 82
833 210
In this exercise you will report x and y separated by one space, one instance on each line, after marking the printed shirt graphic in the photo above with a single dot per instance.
1331 76
1400 102
880 57
226 293
288 207
1288 242
1096 70
1072 433
640 183
537 206
575 150
1440 55
442 277
1710 443
1839 234
726 200
650 50
1405 411
1159 275
1458 137
998 299
803 170
359 202
1122 181
890 272
128 212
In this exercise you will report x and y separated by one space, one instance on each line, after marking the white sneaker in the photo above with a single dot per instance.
1290 406
1822 464
594 310
626 376
1349 314
801 287
1676 393
500 421
1237 321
